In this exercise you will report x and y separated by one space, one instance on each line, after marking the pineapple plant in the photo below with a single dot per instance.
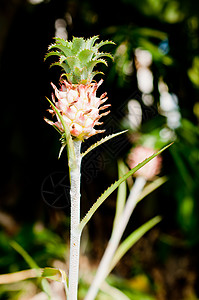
77 109
77 100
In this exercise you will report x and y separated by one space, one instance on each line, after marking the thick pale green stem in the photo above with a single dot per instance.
103 269
75 234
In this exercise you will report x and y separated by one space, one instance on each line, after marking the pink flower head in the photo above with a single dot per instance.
79 107
140 153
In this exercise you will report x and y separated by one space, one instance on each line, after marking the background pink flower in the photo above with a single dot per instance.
140 153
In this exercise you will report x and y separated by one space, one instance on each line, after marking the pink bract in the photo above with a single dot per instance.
79 107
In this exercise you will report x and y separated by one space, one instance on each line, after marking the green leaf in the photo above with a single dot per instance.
90 42
80 75
46 288
113 292
151 187
70 146
77 75
54 274
92 75
77 44
66 67
73 61
115 185
64 50
103 140
103 43
69 77
100 61
63 65
93 63
121 194
62 59
85 56
84 75
52 53
132 239
30 261
62 42
55 64
32 264
102 54
66 129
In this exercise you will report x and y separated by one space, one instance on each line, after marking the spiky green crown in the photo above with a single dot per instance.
79 57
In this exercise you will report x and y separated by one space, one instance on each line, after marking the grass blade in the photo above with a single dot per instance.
30 261
32 264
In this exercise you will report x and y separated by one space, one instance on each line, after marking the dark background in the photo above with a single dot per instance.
169 30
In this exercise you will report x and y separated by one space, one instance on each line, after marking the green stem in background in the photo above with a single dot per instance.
116 236
121 193
75 234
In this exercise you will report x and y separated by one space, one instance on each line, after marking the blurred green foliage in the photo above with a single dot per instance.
36 247
41 243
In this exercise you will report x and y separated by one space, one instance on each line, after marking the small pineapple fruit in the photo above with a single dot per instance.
77 101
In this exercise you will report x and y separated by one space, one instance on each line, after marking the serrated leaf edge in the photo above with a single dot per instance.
110 189
103 140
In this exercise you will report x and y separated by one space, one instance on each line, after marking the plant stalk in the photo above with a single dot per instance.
74 169
104 266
